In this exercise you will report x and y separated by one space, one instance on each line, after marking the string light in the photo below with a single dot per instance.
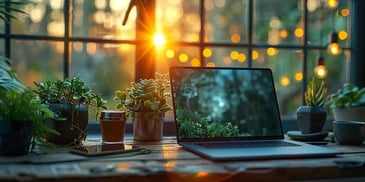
334 47
320 70
332 4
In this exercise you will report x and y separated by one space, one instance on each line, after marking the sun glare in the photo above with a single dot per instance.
159 40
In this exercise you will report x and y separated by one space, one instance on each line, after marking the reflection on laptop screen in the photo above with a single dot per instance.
224 102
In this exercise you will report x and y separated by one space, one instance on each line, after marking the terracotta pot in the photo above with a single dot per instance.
73 130
15 137
349 114
113 126
147 127
311 119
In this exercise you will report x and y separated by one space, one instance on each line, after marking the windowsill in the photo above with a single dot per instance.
170 128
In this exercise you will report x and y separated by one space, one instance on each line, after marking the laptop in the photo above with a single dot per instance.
232 113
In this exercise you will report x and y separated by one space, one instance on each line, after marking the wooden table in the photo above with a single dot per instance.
170 162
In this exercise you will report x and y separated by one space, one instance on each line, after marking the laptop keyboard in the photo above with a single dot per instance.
245 144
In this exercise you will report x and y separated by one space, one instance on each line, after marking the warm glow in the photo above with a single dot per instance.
91 48
210 64
255 55
320 71
59 47
332 3
207 52
202 174
170 164
342 35
195 62
183 58
334 49
284 81
345 12
234 55
170 54
37 12
100 4
235 38
283 34
299 32
227 60
241 58
159 40
298 76
78 46
123 166
271 51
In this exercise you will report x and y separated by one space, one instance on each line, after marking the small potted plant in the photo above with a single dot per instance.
70 99
312 116
146 101
21 122
348 103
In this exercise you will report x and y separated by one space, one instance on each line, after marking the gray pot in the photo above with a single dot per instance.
311 119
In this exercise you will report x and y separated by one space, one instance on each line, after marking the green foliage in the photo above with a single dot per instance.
147 95
202 128
316 94
349 95
5 13
25 106
8 77
68 91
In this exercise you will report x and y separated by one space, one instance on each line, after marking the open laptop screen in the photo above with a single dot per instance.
226 103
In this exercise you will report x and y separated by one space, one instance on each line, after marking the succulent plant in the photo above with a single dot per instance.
350 95
147 95
316 93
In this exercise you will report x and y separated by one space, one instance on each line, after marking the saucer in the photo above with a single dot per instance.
310 137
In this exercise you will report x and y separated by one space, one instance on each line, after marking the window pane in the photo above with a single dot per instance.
277 22
44 18
226 57
287 68
178 20
226 21
104 67
322 21
102 19
44 61
337 66
177 56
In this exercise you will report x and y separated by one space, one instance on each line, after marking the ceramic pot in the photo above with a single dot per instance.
113 126
147 127
15 137
311 119
72 127
349 114
349 132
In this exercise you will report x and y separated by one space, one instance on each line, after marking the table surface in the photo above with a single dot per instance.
168 161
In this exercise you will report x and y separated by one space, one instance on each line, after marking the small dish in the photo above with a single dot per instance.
310 137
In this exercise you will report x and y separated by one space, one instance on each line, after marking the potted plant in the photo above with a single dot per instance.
146 101
348 103
21 122
312 116
70 99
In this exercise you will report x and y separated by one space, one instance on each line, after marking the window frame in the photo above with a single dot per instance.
356 76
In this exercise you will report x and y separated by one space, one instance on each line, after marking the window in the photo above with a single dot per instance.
61 38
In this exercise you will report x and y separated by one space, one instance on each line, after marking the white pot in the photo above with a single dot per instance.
349 113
